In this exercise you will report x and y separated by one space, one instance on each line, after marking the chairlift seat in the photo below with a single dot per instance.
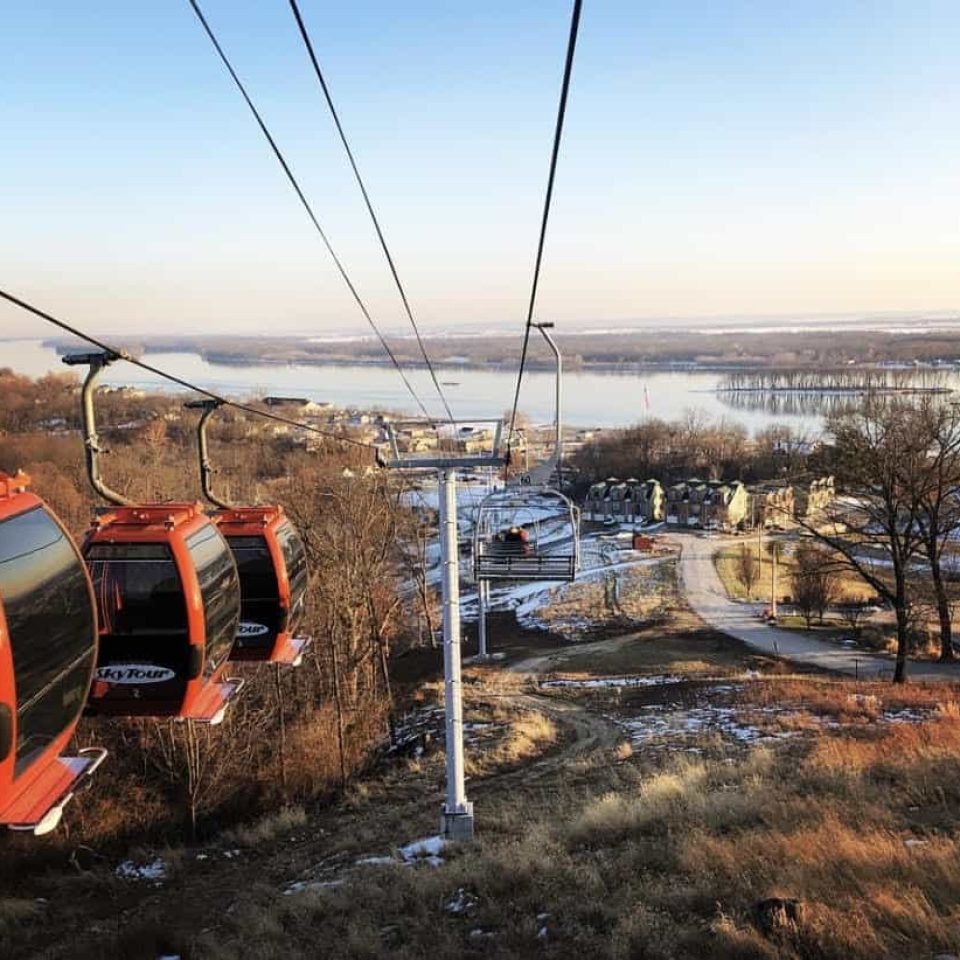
510 542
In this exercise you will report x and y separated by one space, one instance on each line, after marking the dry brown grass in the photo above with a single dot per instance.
844 699
851 587
266 829
669 863
585 607
615 853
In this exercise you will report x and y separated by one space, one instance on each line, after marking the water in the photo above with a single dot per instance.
591 398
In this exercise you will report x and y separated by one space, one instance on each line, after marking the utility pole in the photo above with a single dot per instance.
773 579
759 550
456 819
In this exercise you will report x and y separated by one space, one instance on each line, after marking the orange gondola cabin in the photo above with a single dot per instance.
168 600
48 647
272 564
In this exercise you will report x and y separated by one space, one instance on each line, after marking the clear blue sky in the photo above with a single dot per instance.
720 159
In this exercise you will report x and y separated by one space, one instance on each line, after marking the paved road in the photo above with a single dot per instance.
707 597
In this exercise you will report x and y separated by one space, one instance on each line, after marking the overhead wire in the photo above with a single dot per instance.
173 378
306 204
308 43
557 135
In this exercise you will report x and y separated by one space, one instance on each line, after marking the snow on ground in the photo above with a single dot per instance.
613 682
664 727
668 727
426 850
677 725
462 902
308 886
155 871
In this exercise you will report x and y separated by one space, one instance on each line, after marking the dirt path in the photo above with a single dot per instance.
564 656
586 733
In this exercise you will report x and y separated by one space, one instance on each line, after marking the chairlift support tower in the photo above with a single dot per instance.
456 821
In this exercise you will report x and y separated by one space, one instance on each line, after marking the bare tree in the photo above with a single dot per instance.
417 529
880 458
853 615
814 582
940 503
748 569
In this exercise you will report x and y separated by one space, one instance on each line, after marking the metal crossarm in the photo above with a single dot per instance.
446 444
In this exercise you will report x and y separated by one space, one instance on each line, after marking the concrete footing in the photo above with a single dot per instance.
457 826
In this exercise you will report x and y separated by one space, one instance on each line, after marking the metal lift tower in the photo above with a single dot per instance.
456 821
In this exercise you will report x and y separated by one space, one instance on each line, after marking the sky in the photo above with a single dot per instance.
720 160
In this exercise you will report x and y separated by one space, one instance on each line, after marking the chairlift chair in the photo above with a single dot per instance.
271 562
48 646
510 537
167 595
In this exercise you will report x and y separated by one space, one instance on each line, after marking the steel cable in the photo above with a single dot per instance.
304 34
305 203
173 378
558 133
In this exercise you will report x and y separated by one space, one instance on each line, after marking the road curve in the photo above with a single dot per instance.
706 596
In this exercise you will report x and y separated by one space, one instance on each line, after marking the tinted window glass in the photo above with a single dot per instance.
50 621
258 579
219 588
138 589
294 556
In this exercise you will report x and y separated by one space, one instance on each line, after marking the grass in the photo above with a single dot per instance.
671 863
629 855
266 829
613 851
588 607
678 644
852 588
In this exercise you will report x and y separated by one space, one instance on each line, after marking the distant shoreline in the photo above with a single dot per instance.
572 366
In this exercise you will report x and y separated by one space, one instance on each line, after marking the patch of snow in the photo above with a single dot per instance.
641 681
426 850
461 902
155 870
914 842
375 861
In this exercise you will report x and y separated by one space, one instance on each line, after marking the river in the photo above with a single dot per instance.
591 398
